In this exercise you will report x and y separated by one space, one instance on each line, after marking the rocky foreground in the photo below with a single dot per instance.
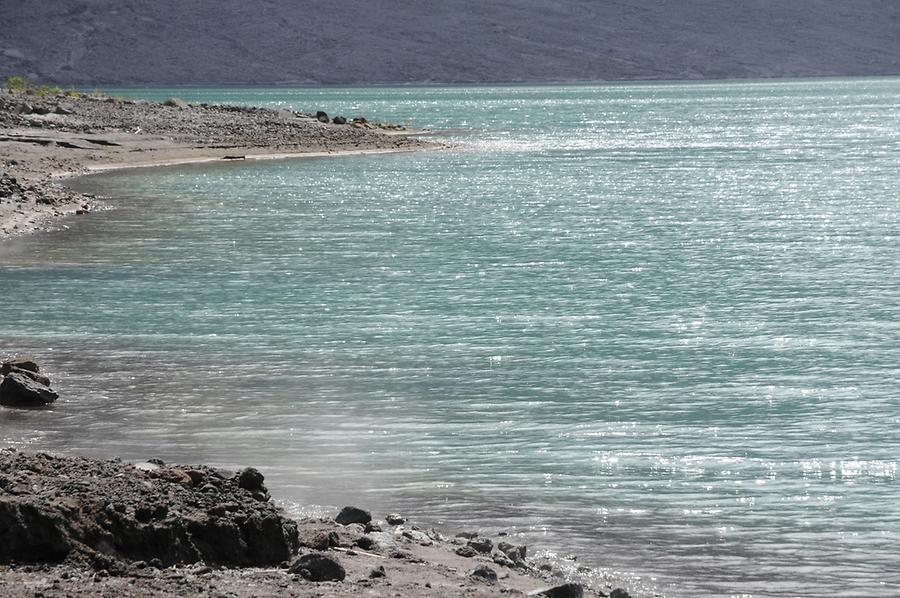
73 526
47 136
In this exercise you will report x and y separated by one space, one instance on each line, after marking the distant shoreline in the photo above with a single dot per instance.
488 84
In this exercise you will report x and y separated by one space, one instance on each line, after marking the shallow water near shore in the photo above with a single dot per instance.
655 326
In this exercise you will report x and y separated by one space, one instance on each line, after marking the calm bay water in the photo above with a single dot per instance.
656 326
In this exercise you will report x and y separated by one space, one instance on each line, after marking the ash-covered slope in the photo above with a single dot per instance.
452 41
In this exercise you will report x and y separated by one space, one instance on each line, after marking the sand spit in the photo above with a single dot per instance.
46 139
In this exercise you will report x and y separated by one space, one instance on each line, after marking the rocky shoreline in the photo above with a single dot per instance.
73 526
48 137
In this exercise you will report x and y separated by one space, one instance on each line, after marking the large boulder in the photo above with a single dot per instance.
322 117
36 376
350 515
18 390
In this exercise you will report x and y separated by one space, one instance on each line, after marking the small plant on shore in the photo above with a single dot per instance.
44 90
20 85
16 84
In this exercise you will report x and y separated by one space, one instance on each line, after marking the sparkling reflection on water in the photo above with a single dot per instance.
655 326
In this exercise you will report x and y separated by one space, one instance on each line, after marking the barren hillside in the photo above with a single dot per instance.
106 42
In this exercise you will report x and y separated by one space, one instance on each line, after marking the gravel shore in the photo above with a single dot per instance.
44 139
74 526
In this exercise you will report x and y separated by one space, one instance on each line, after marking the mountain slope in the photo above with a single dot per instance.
452 41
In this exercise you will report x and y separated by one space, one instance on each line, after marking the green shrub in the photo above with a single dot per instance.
20 85
16 84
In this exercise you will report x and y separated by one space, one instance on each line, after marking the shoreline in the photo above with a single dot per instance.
95 552
46 140
249 157
74 525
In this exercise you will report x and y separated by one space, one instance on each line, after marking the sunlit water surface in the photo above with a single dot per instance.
656 326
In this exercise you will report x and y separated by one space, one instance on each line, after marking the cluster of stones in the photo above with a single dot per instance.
360 532
357 123
23 385
109 514
321 116
130 520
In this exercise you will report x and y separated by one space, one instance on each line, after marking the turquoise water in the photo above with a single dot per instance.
655 326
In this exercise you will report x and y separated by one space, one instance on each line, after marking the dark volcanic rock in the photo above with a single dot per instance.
18 390
37 377
23 363
250 479
366 543
320 539
318 567
339 120
350 515
619 593
484 572
482 545
566 590
466 551
322 117
54 508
